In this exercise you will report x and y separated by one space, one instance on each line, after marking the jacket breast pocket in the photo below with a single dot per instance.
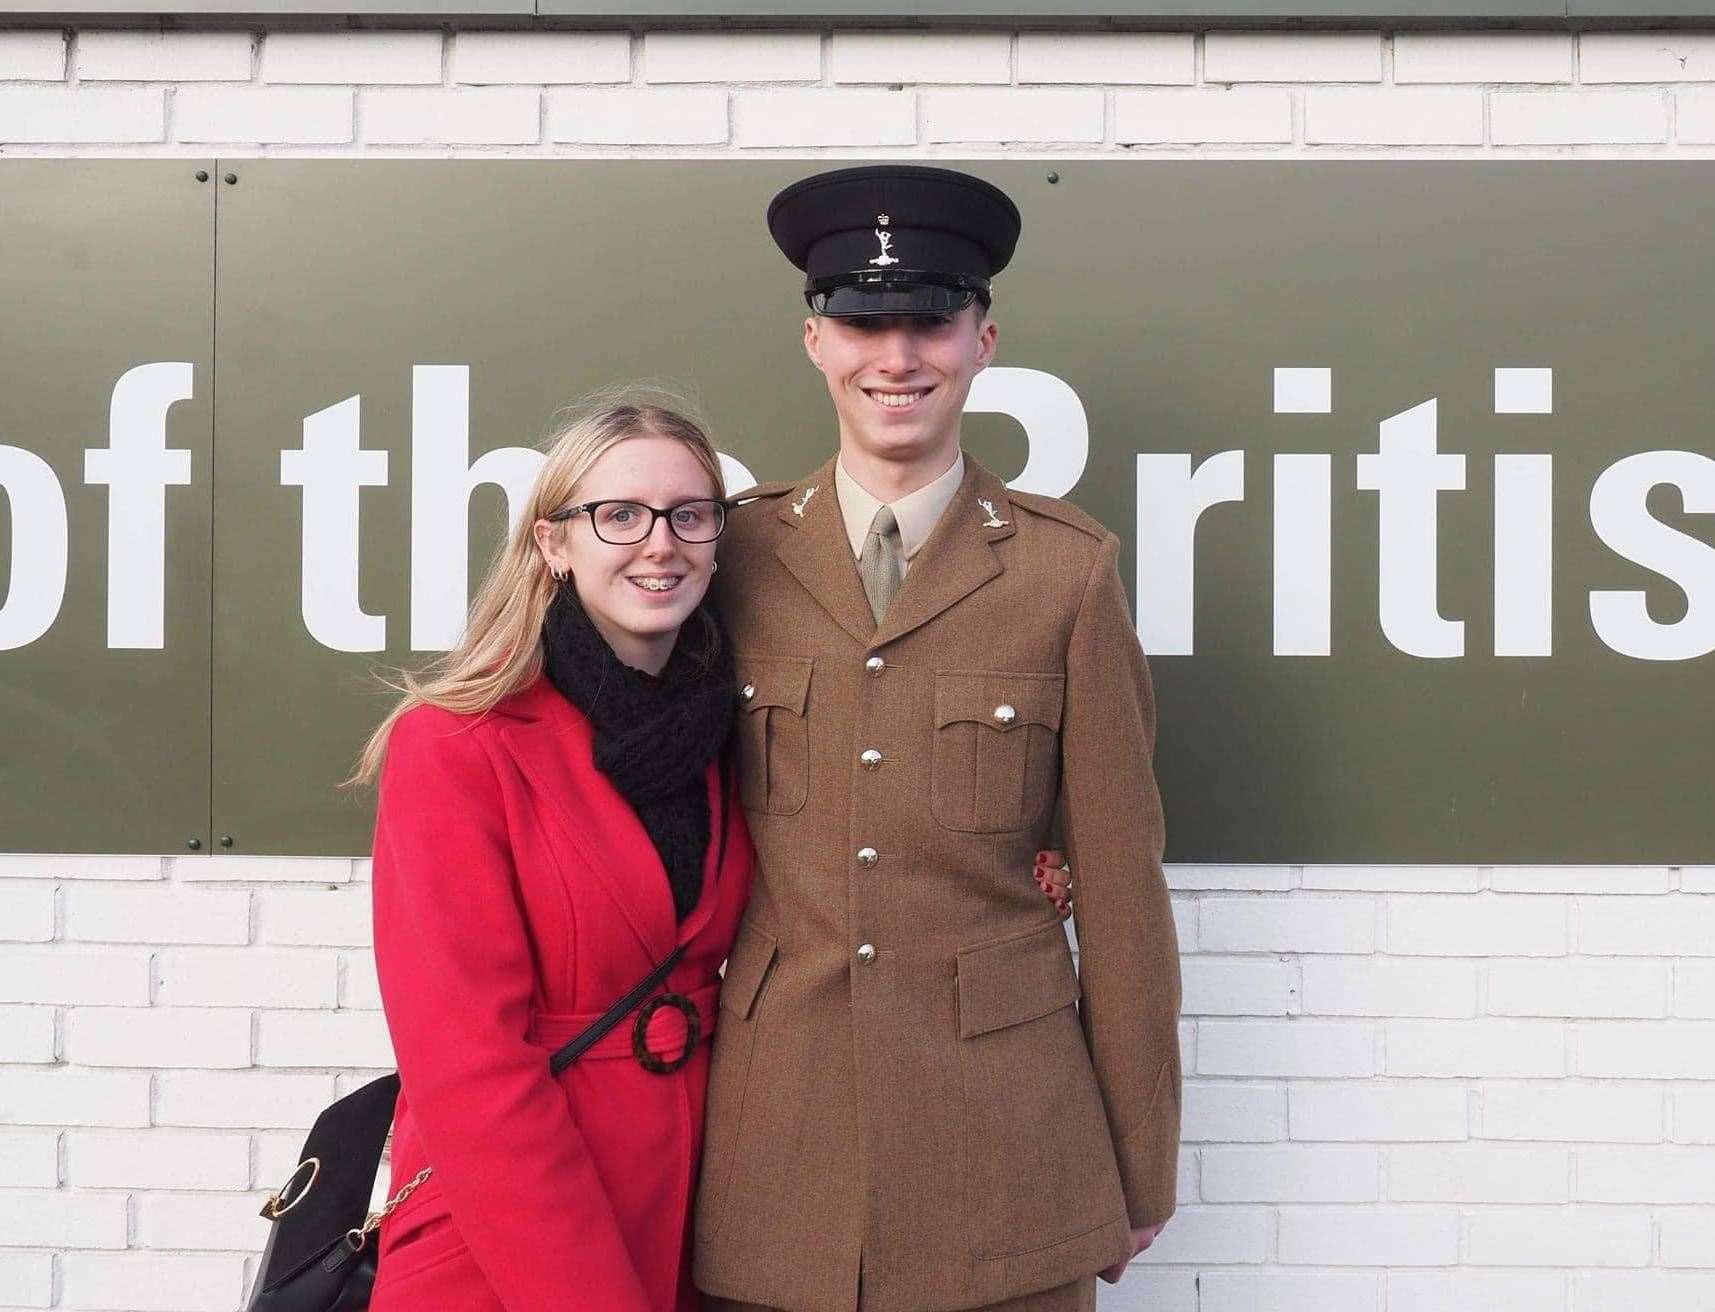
996 762
774 736
1037 1143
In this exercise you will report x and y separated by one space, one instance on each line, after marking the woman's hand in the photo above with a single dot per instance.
1054 878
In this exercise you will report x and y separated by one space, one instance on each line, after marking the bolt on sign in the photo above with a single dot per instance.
1413 464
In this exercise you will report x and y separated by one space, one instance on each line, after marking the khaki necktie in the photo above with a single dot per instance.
879 565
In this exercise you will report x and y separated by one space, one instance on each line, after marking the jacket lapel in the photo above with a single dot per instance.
819 554
958 558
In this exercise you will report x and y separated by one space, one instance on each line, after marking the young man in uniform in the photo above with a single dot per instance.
909 1109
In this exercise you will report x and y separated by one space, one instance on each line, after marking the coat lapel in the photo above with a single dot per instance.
958 558
819 554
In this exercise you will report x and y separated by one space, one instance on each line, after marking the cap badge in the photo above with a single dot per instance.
886 240
994 521
801 502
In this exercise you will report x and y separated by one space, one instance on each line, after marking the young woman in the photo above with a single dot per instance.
555 820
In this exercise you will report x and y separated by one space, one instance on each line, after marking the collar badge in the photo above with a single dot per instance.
993 521
798 505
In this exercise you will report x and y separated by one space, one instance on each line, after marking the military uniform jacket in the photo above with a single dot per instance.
905 1084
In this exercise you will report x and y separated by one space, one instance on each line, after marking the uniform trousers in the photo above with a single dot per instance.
1079 1296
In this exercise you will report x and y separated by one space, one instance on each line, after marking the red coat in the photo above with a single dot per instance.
517 897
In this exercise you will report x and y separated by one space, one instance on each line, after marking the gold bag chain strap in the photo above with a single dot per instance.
359 1235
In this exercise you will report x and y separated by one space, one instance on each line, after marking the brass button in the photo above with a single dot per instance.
875 665
748 692
1005 714
867 857
871 759
866 953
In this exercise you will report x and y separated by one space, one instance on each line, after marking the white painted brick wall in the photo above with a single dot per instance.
1410 1088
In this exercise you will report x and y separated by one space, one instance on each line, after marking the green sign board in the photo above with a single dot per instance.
1411 460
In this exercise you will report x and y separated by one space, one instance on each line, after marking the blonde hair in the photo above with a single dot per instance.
500 651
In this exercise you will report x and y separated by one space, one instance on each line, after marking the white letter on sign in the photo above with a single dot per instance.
38 582
1622 520
1054 422
1170 499
137 468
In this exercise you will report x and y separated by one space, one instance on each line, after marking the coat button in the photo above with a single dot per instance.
748 692
1005 714
866 953
871 759
875 665
867 857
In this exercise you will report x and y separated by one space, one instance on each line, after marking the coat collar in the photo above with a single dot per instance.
958 558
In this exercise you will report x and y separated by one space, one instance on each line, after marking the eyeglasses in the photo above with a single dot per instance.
626 523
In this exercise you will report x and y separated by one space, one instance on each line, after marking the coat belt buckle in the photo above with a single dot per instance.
639 1033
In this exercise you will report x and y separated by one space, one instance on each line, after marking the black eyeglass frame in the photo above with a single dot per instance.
655 513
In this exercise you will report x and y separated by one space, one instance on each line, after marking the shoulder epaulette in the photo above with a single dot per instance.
1063 511
763 491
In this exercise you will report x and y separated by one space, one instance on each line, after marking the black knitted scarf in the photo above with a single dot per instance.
655 736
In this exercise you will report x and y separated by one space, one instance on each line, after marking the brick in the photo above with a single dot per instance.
87 867
1393 879
1286 1291
1369 1236
58 1218
1233 1113
1475 1047
1628 1291
1560 1236
1688 1238
26 1034
224 1221
541 57
1291 1173
824 118
1578 986
324 917
1646 57
370 58
1478 1174
1364 116
481 116
1287 924
271 869
907 57
270 116
362 870
657 116
30 1159
1693 1116
157 1036
1184 925
1204 116
77 116
1034 115
33 56
26 913
277 1157
1475 1291
1238 987
732 56
1292 57
26 1279
1112 58
1581 879
359 987
73 975
63 1097
1569 118
323 1039
241 1099
1646 1050
1695 879
1213 1234
1671 1173
118 913
1433 1111
248 977
1261 879
1389 986
157 1159
1694 122
1604 1113
163 56
1482 57
1679 925
1482 926
153 1282
1287 1047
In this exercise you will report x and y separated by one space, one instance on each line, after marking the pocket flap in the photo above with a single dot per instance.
773 681
988 698
746 968
1015 980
